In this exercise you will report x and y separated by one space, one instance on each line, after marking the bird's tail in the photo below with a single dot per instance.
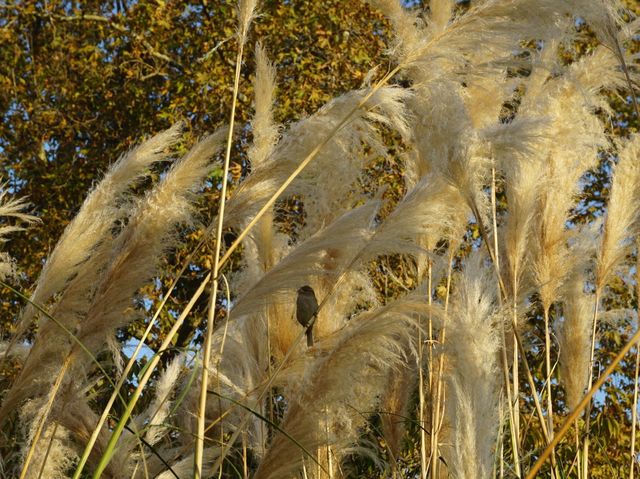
309 337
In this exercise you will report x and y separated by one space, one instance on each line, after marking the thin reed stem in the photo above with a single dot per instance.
421 403
46 454
577 460
514 368
503 354
440 390
587 419
507 384
634 410
206 355
532 386
548 370
423 437
329 458
634 418
245 467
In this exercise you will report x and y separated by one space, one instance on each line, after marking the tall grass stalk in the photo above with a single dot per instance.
424 464
245 14
440 402
587 411
634 417
511 401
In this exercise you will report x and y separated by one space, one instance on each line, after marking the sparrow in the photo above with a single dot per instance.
306 309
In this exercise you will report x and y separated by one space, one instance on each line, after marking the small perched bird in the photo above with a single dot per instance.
306 308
